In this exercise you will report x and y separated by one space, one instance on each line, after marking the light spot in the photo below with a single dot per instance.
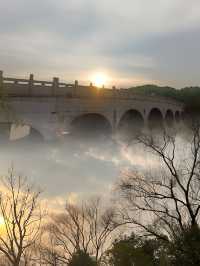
99 79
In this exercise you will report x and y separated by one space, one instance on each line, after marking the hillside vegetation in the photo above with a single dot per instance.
188 95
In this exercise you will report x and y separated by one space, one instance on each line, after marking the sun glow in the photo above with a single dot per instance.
2 222
99 79
2 225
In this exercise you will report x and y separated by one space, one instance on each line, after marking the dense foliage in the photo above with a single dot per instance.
80 258
188 95
133 250
185 249
142 251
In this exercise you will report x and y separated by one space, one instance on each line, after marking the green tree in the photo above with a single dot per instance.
133 250
80 258
185 250
154 90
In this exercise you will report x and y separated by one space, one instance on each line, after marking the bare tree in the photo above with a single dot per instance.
3 260
21 215
49 253
101 224
86 228
166 202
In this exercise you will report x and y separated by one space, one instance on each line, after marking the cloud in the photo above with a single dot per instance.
134 40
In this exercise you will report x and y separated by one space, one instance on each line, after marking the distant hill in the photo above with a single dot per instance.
155 90
188 95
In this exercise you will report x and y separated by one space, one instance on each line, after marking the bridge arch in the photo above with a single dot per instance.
155 119
177 116
131 123
90 125
34 135
169 118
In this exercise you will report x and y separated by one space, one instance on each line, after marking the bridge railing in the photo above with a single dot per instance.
30 87
34 82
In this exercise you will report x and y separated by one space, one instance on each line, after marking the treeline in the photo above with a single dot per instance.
190 96
153 218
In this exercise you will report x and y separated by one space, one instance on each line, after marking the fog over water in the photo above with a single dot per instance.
73 168
78 166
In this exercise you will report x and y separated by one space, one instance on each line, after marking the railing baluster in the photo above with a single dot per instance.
1 79
55 85
31 80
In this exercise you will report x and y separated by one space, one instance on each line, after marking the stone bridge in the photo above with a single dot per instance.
53 109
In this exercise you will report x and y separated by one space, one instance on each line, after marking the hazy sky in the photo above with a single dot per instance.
132 41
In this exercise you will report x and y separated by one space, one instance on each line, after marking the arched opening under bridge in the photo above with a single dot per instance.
34 136
155 119
169 118
177 116
5 132
131 123
90 125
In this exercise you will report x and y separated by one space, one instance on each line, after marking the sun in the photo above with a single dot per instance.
2 225
2 222
99 79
